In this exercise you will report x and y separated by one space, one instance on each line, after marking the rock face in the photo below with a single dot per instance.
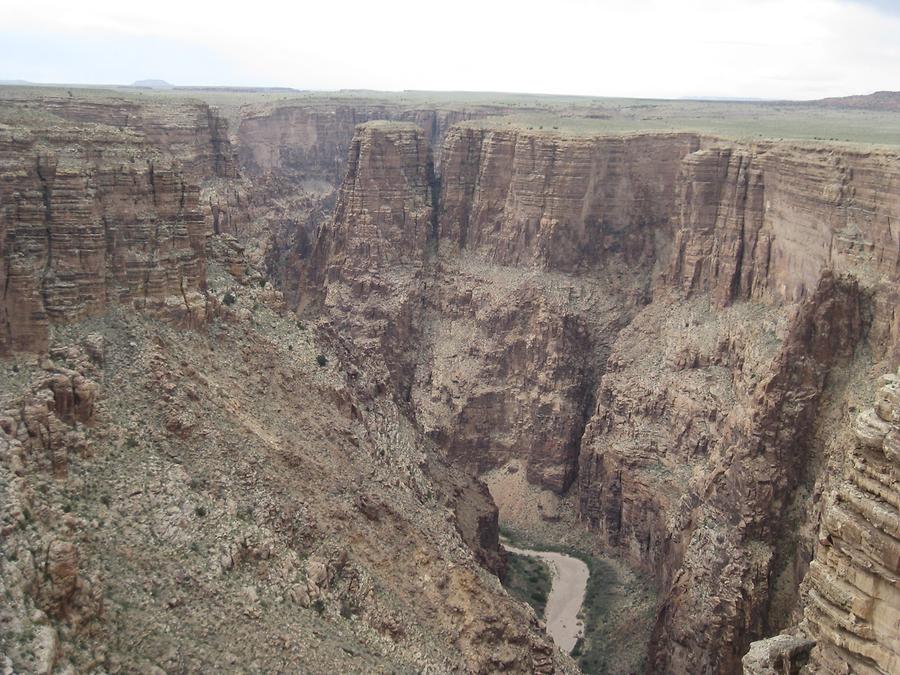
312 141
765 220
99 205
384 215
523 199
738 280
203 499
851 593
780 655
371 256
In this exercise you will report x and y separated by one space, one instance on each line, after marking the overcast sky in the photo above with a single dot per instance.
649 48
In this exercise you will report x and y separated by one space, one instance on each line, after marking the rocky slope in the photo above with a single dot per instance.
217 499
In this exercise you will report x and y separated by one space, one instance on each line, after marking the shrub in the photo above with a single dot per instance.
200 511
229 298
321 360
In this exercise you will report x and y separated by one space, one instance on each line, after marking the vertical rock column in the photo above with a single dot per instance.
370 258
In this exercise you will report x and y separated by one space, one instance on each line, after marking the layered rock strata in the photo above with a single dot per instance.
519 198
370 257
852 591
202 500
738 279
100 202
79 234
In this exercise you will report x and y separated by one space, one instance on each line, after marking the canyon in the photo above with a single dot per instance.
676 333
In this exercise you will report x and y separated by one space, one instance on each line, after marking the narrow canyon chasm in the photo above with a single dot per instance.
688 344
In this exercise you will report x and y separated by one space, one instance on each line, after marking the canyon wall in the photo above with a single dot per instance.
668 327
370 257
519 198
699 452
311 140
658 321
763 221
851 593
85 224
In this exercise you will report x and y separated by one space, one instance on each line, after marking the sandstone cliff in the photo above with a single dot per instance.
100 202
312 140
560 203
370 257
851 593
660 316
80 233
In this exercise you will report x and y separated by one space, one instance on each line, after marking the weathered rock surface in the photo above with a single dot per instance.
99 204
765 220
312 141
371 256
780 655
851 595
560 203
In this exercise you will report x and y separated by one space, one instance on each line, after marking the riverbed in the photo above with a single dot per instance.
568 586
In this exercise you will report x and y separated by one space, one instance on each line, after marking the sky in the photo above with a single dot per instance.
785 49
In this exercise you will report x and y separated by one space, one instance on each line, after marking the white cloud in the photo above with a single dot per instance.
764 48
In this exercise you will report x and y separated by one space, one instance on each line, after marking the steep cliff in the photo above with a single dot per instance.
205 499
312 140
370 258
556 202
82 229
763 221
851 593
659 320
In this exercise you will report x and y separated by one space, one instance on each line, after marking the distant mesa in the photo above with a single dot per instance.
881 100
153 84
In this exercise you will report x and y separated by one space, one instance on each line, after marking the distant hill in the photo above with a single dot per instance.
153 84
15 82
880 100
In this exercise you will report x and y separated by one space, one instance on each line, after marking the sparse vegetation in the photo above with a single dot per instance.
592 652
529 580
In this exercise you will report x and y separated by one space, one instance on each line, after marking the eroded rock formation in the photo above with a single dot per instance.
100 204
852 593
743 277
672 328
